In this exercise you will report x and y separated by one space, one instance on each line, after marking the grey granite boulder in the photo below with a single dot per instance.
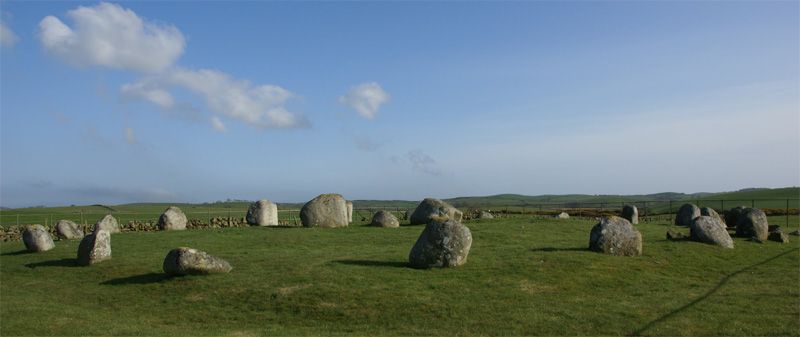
752 223
172 219
262 213
485 215
434 208
443 243
37 239
615 236
686 215
108 223
708 211
631 213
189 261
709 229
778 236
94 248
69 230
385 219
326 210
732 216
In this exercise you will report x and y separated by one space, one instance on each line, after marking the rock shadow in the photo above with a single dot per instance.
138 279
19 252
372 263
54 263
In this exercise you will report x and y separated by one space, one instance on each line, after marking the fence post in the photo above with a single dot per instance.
645 208
722 205
787 213
753 203
17 219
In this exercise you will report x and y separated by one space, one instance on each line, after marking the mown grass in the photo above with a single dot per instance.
523 277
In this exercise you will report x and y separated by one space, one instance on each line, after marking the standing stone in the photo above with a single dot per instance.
433 208
708 211
172 219
615 236
263 213
188 261
686 214
384 219
709 229
562 215
732 216
37 239
68 230
108 223
326 210
631 213
443 243
95 248
349 205
752 223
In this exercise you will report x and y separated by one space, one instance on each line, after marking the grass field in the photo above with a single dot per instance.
524 276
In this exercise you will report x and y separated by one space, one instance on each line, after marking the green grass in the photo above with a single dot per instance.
524 277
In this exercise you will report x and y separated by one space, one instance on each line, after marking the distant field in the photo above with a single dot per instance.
524 276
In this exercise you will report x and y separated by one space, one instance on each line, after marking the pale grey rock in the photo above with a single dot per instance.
37 239
778 236
631 213
485 215
349 205
615 236
385 219
326 210
562 215
443 243
69 230
172 219
710 229
94 248
262 213
686 214
433 208
189 261
752 222
108 223
708 211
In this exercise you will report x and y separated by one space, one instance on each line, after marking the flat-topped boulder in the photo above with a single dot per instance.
752 223
631 213
94 248
686 215
108 223
710 229
443 243
615 236
189 261
172 219
431 208
326 210
262 213
37 239
69 230
384 219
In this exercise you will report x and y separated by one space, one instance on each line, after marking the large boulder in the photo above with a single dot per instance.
189 261
752 223
95 248
384 219
172 219
349 205
443 243
686 214
37 239
326 210
778 236
433 208
708 211
732 216
631 213
69 230
709 229
108 223
263 213
615 236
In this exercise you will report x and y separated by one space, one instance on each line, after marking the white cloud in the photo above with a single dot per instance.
111 36
217 124
366 99
261 106
423 163
7 36
130 137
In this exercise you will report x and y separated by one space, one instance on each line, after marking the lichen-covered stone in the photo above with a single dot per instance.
631 213
108 223
263 213
172 219
384 219
615 236
708 211
326 210
37 239
709 229
686 214
190 261
95 248
69 230
443 243
433 208
752 223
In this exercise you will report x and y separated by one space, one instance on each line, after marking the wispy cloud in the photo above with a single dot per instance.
217 124
366 99
111 36
7 36
365 143
422 162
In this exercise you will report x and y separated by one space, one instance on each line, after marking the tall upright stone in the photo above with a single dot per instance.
37 239
108 223
95 248
753 223
262 213
631 213
431 208
349 211
686 214
172 219
615 236
326 210
443 243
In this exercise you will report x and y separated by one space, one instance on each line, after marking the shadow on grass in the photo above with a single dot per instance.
556 249
369 263
19 252
54 263
713 290
138 279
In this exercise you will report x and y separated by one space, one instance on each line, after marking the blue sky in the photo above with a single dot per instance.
203 101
